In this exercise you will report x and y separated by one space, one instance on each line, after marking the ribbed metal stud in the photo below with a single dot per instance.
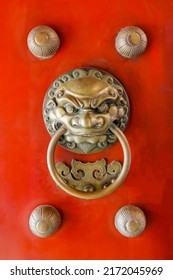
131 41
130 221
44 220
43 42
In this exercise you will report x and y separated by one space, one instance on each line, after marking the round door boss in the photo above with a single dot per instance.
44 220
131 42
130 221
86 110
43 42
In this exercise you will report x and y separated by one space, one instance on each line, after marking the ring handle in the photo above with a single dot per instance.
80 194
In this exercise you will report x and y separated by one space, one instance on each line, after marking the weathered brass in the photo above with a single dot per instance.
44 220
85 111
131 41
43 42
89 177
86 101
130 221
92 191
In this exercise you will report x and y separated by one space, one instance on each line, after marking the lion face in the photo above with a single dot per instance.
87 106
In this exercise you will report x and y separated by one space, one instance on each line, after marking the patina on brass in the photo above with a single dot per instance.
44 220
86 101
91 192
89 177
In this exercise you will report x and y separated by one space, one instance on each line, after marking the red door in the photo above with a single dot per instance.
87 30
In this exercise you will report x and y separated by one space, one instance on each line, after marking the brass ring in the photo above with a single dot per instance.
112 187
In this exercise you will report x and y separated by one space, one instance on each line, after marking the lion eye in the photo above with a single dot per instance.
103 108
70 109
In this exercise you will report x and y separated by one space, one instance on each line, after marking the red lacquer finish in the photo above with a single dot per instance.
87 30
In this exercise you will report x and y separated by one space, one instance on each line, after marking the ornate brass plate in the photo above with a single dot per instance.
86 101
89 177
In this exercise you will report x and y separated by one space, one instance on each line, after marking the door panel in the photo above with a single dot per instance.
87 31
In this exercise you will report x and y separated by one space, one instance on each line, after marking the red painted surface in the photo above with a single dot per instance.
87 30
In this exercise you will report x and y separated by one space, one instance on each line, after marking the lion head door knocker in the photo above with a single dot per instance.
85 111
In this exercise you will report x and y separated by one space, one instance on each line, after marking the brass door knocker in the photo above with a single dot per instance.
86 110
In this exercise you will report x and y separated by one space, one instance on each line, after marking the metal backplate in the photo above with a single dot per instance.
86 101
89 177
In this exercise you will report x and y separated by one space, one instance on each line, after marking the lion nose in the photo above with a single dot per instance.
87 119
